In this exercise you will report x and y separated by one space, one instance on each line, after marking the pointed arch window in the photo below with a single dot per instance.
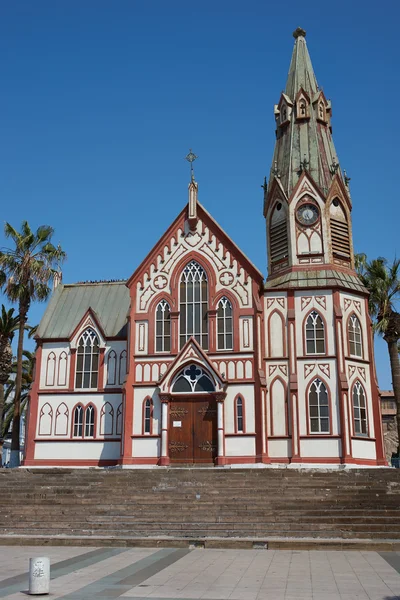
89 421
147 410
360 410
87 360
355 337
163 327
315 334
239 414
78 421
224 325
194 305
193 379
318 407
302 107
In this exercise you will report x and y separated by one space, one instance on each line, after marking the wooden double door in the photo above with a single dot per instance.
193 434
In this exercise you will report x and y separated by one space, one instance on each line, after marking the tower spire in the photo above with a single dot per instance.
303 126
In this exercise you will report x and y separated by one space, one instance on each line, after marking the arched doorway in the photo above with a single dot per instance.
192 431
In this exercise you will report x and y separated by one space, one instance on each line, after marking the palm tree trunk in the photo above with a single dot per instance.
395 368
15 447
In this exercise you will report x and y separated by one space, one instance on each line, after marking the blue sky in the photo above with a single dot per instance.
101 101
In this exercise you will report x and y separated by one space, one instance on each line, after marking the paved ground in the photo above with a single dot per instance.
111 573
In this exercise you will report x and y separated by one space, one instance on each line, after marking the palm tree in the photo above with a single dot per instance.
25 273
8 326
28 365
383 283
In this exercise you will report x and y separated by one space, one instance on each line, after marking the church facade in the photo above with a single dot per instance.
196 358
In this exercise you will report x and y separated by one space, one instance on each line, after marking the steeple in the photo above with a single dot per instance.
307 202
303 126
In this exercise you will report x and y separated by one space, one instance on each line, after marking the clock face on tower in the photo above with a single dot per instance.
307 214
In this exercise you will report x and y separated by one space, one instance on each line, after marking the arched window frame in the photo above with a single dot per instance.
78 419
80 427
90 421
51 369
239 410
48 407
313 315
118 423
324 414
111 367
162 338
87 373
65 413
147 416
103 414
360 413
225 340
193 374
283 334
355 338
271 407
193 319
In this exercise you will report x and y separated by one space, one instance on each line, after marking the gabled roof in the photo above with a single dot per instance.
69 303
216 229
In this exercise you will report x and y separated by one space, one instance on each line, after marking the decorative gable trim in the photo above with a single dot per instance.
89 319
190 353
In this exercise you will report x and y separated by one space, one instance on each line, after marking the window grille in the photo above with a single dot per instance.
224 325
163 327
239 414
359 410
147 416
194 305
315 334
87 363
78 421
318 404
89 421
355 337
193 379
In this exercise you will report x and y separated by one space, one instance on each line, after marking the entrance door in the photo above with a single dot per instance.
192 436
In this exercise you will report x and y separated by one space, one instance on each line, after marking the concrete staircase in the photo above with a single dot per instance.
211 507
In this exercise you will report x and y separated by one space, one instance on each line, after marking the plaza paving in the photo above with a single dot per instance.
109 573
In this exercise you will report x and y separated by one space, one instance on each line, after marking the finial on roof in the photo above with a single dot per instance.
191 157
299 32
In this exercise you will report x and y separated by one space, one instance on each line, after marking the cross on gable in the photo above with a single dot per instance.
226 278
159 282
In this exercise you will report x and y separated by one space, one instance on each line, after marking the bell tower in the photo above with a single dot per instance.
307 202
322 399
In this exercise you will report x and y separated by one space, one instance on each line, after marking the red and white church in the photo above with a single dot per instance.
196 358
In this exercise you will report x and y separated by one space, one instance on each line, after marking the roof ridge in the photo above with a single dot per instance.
99 282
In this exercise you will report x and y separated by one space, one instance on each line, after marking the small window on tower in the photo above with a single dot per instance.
339 232
284 114
278 235
321 111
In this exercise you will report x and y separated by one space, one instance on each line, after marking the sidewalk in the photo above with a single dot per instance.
111 573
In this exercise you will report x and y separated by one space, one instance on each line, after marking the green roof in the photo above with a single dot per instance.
109 301
316 279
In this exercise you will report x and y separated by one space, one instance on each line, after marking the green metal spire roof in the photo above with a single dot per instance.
303 143
301 72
